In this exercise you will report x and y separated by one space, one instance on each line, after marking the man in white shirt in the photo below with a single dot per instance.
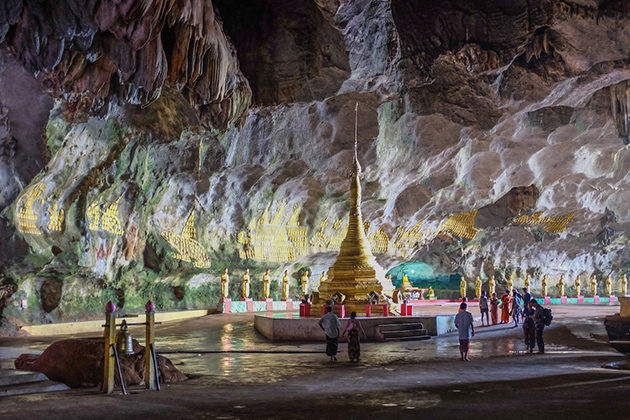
330 324
464 323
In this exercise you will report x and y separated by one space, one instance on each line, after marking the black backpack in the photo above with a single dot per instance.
547 317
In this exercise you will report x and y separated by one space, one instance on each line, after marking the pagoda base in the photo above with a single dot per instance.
307 329
361 309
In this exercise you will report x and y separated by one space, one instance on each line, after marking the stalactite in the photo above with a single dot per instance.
91 52
619 105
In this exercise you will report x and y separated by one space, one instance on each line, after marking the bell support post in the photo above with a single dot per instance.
110 336
150 367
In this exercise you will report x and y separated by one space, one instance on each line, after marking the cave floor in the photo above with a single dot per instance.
237 374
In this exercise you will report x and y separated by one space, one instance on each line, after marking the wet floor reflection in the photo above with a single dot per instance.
234 351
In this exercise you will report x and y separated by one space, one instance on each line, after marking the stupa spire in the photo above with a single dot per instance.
354 272
356 166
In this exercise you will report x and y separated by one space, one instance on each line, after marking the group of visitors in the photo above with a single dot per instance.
331 326
520 306
511 305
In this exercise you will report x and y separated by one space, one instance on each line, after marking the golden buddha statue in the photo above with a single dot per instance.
245 285
266 285
624 285
509 284
593 285
608 286
354 272
477 287
431 293
462 288
492 285
405 282
561 285
285 285
527 282
225 282
304 283
577 286
543 285
322 278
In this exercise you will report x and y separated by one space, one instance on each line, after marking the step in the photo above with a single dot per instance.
13 377
412 338
404 333
404 326
31 388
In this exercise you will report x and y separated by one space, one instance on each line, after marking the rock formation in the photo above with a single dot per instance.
78 363
136 160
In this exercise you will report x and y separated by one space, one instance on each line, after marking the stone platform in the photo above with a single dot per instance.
292 327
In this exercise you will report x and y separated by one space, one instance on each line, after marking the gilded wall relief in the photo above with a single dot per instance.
280 239
107 221
188 249
462 225
56 218
379 241
554 225
408 238
339 233
26 217
320 240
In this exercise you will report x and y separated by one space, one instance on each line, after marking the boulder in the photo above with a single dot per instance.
78 363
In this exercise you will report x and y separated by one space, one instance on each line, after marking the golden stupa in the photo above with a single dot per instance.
354 272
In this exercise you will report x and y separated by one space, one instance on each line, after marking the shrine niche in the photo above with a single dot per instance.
188 249
277 239
553 225
521 199
462 225
26 217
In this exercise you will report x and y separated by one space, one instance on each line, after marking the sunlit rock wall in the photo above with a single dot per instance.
492 137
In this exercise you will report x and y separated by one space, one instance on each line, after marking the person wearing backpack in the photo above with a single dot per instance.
539 322
529 327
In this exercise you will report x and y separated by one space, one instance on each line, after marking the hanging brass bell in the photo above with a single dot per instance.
124 343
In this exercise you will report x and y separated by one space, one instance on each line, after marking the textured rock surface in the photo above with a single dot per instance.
515 110
78 363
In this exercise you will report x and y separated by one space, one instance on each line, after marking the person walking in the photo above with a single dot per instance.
330 324
539 323
517 309
483 307
526 297
464 323
494 308
505 308
353 328
529 327
464 300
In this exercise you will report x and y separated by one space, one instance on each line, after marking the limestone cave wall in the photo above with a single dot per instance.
147 145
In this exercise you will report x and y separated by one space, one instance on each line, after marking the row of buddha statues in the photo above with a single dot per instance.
266 281
560 285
